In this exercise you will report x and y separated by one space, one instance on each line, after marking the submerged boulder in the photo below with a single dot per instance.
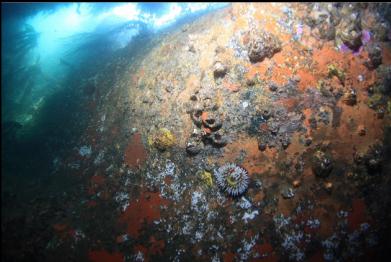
348 32
322 19
261 45
219 70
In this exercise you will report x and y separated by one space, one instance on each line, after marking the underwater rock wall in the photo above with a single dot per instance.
295 95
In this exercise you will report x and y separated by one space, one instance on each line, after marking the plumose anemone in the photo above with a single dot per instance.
232 179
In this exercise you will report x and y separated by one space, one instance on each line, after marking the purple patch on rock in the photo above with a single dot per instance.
299 32
299 29
344 48
358 51
365 37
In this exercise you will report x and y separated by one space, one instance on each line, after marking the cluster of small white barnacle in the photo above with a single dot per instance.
232 179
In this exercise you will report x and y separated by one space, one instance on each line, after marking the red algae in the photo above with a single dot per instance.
145 209
289 103
263 249
168 180
307 80
98 180
255 161
326 56
156 247
266 252
64 231
231 86
358 214
60 227
204 116
92 203
229 257
386 53
258 68
317 257
104 256
135 153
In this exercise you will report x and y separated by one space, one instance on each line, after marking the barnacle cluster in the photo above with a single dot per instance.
232 179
